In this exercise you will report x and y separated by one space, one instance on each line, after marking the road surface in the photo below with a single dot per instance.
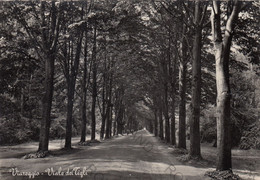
138 156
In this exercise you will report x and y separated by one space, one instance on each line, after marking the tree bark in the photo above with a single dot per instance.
49 50
104 119
173 76
70 96
47 104
182 92
109 106
104 109
164 65
84 93
155 122
161 122
71 83
114 128
196 85
111 118
166 114
222 52
109 115
173 94
94 88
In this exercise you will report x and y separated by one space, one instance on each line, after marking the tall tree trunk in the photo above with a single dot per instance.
46 104
104 110
166 114
104 118
172 74
173 94
182 92
84 93
114 128
119 109
105 100
49 50
108 128
196 86
94 88
222 52
71 83
161 123
110 122
165 96
120 121
109 106
70 96
155 122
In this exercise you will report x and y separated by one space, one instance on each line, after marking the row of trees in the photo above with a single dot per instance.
118 58
184 44
77 46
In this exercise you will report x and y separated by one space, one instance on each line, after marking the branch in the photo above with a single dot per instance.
203 14
56 32
244 6
215 21
232 18
188 10
27 29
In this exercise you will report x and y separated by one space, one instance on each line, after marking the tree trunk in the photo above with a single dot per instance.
182 93
155 123
166 114
161 123
196 86
108 128
222 52
111 111
49 49
46 105
109 106
119 109
104 110
84 94
94 88
172 72
102 130
114 128
105 94
70 96
165 98
71 83
173 94
120 121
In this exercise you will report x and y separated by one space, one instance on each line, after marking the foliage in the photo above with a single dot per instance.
250 137
221 175
15 129
208 124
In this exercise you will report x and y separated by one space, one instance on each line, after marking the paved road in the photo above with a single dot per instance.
138 156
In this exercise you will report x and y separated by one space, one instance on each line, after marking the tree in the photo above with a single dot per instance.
84 91
94 83
104 110
222 52
173 76
85 82
71 51
182 89
45 42
199 16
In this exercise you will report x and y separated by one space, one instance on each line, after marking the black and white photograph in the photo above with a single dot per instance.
130 89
